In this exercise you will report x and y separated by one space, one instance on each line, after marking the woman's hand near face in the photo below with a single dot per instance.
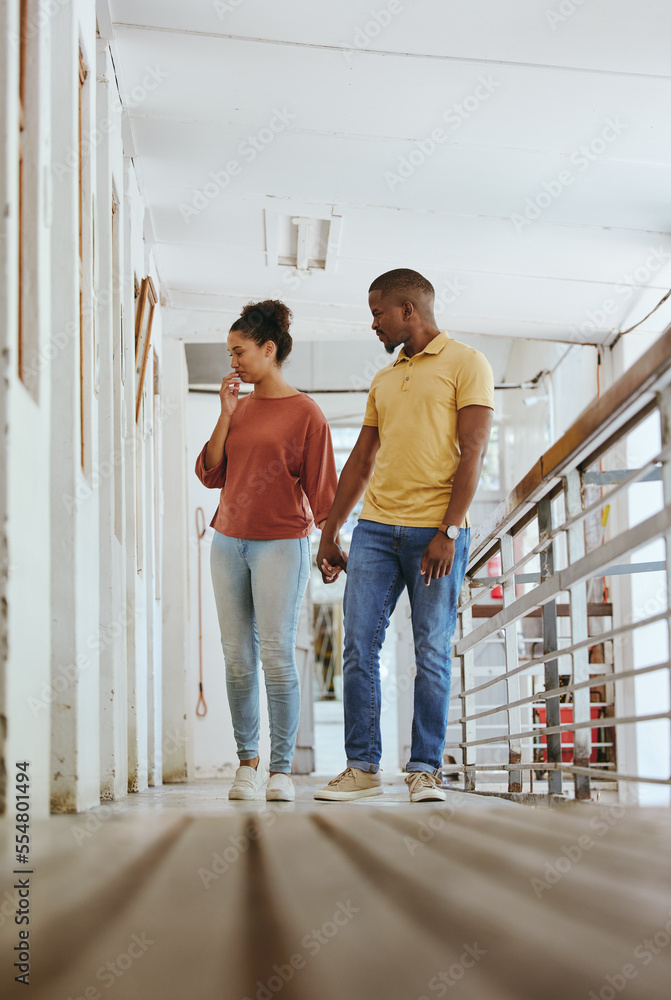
228 394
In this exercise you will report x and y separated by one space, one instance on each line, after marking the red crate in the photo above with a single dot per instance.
566 716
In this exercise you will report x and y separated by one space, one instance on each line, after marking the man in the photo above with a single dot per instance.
423 441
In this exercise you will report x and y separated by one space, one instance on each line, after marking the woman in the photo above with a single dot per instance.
272 457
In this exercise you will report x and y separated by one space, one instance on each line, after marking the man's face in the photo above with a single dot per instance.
388 322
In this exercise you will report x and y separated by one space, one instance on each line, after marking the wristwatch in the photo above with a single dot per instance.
451 530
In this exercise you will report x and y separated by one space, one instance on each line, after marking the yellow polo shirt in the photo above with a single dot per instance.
414 403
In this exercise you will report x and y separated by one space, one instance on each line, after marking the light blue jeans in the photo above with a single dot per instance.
383 560
259 587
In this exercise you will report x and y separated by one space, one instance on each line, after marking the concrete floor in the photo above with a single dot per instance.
176 893
208 796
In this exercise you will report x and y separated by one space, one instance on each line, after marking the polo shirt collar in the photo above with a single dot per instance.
434 346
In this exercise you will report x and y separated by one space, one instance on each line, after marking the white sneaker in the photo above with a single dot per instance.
425 786
248 782
280 788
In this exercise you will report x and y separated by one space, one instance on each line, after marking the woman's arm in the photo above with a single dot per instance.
318 475
211 463
214 451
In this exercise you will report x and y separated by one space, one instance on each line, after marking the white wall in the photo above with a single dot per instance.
25 649
76 605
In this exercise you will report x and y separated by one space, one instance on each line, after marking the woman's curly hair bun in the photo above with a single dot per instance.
264 321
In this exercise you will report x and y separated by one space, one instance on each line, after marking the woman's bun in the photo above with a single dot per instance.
267 320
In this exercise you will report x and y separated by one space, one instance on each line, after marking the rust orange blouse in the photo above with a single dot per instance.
277 475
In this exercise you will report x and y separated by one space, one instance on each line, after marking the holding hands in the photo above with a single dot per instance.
331 560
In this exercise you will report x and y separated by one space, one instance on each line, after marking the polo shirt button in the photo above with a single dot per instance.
410 365
407 378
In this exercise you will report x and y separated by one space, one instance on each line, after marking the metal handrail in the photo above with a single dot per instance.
557 530
583 442
642 390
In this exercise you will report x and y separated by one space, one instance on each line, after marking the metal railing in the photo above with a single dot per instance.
552 677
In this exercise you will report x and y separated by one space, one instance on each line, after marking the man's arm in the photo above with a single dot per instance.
353 481
474 424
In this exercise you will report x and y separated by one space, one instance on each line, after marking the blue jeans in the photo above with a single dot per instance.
259 587
383 559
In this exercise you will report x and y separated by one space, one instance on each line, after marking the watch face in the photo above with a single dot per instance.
452 531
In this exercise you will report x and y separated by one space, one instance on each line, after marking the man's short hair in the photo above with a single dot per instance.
402 280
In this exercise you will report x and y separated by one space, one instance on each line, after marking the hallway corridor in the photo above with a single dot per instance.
178 893
162 166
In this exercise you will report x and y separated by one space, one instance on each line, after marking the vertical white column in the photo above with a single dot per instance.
152 584
25 424
156 744
139 565
74 508
113 735
177 752
136 638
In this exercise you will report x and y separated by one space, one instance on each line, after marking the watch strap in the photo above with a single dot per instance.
443 527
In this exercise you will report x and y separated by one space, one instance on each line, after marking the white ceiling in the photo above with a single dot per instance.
553 87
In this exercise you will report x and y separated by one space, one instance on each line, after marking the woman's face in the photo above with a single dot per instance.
248 360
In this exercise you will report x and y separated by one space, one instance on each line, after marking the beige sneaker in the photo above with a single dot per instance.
351 784
425 786
248 782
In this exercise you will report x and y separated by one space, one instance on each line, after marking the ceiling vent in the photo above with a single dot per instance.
303 242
